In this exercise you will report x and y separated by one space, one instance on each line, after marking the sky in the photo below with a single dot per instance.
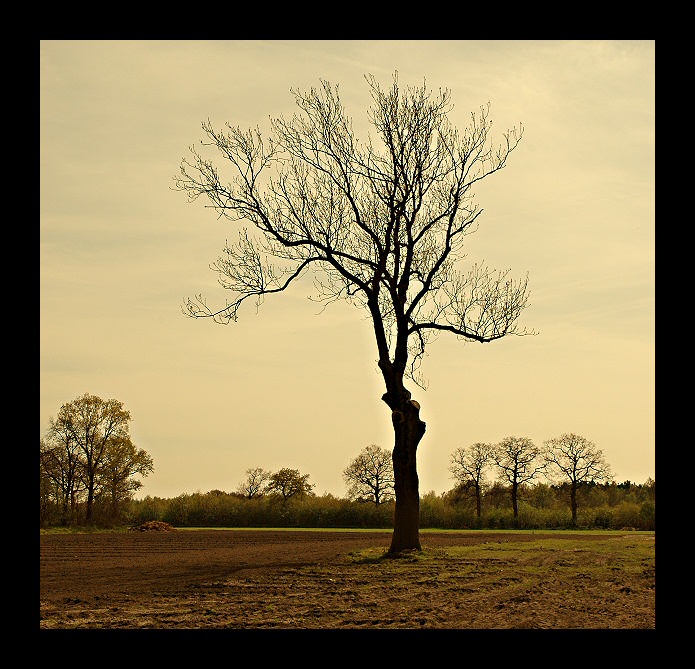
287 386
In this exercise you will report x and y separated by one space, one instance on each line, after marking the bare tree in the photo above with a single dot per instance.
370 475
381 227
468 467
254 484
577 460
289 483
519 461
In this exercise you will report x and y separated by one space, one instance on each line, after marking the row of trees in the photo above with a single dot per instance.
497 486
542 506
88 463
516 462
569 459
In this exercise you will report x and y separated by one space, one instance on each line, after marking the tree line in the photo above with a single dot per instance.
609 506
89 465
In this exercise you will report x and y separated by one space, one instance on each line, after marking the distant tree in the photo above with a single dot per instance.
382 226
289 483
370 475
91 425
468 467
577 460
254 485
519 461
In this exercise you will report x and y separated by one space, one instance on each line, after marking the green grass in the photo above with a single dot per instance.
92 530
607 551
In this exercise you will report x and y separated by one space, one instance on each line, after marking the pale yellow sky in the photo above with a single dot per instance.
285 387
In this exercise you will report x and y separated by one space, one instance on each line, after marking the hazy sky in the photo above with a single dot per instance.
286 387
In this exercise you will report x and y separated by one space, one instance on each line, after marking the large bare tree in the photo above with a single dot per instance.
382 227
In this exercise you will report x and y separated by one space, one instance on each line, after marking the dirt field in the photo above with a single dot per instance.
242 579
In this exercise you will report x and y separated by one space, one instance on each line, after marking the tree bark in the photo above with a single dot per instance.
408 431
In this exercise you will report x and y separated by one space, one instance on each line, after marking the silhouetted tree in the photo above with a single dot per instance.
577 460
254 485
370 475
382 228
519 461
468 467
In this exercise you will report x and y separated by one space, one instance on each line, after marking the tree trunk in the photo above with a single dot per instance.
90 505
408 431
573 502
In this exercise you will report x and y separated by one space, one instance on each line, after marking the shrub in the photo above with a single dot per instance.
626 514
537 510
176 513
498 518
600 517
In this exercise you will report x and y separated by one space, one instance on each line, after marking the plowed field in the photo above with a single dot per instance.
341 580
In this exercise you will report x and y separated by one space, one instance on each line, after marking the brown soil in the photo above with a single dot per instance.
340 580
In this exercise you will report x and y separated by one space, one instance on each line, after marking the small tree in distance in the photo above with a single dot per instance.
289 483
577 460
370 476
95 427
381 225
87 456
468 467
254 485
519 461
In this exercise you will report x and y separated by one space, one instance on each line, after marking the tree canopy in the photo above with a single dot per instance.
88 452
289 483
383 227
